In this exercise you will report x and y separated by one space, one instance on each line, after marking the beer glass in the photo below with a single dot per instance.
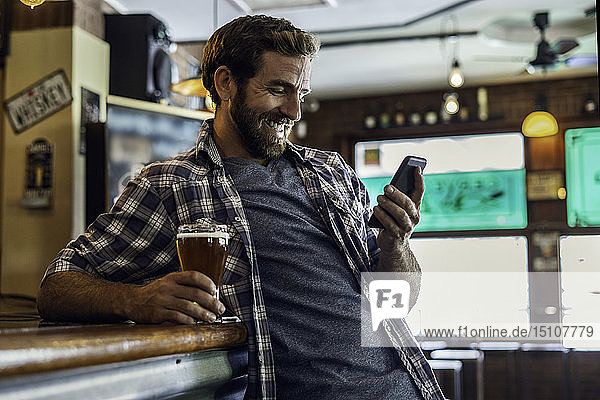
202 246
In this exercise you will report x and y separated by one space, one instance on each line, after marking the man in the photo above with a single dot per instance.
297 217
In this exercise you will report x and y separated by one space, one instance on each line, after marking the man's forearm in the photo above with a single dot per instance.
76 296
403 261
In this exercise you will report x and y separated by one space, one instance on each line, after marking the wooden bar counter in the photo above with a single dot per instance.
123 361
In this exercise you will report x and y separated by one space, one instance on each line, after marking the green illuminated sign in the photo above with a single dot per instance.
468 200
582 154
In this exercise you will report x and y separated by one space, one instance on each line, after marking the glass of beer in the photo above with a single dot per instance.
202 246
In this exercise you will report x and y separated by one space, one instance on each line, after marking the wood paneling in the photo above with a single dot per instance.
584 370
86 14
500 374
48 15
543 375
508 105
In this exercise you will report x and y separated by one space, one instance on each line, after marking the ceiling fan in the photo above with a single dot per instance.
548 56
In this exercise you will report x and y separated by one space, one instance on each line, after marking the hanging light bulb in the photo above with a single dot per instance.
456 78
451 105
32 3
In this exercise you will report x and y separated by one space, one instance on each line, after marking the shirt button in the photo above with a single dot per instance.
238 219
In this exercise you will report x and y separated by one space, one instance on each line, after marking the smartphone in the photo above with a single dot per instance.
403 180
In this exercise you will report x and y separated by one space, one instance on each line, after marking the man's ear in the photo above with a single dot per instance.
224 83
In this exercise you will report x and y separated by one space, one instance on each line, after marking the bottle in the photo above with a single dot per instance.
369 121
415 118
431 117
385 120
463 113
399 116
590 106
482 104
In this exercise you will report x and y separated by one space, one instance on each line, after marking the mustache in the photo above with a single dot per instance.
277 117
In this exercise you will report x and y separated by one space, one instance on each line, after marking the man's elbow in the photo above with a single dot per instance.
42 304
46 298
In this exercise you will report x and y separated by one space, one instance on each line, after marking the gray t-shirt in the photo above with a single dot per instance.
312 299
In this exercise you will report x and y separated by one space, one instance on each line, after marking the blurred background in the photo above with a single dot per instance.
500 97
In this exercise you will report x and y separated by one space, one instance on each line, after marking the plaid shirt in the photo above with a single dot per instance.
135 241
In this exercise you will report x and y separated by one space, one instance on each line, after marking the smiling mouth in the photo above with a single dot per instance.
278 127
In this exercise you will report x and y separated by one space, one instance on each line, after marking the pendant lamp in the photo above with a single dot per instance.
540 122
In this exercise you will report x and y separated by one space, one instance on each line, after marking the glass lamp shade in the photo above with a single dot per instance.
539 124
35 3
190 87
451 105
32 3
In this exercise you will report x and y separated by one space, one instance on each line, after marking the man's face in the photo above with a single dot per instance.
265 109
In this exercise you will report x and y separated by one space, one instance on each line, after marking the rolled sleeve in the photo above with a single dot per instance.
133 243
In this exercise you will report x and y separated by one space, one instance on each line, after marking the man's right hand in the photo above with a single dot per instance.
180 297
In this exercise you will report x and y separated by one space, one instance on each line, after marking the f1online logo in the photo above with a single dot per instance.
389 300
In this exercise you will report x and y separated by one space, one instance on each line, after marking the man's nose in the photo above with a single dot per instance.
291 107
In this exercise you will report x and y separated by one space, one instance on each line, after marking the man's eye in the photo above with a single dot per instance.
277 91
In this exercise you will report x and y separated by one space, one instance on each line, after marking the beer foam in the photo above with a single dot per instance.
217 235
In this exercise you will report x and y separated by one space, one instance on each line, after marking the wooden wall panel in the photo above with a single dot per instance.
86 14
500 374
584 373
543 375
508 105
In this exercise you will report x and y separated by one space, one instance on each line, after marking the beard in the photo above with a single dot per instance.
256 135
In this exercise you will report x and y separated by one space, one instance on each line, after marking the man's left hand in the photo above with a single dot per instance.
401 215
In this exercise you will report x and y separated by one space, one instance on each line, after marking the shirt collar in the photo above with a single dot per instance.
206 143
297 151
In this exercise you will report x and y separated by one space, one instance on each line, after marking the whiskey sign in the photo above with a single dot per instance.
39 101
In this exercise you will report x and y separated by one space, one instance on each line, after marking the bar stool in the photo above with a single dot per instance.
449 376
472 372
430 345
500 369
543 372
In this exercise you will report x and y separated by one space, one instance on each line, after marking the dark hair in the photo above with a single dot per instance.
240 44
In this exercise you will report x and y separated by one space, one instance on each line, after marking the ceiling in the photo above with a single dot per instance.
390 46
